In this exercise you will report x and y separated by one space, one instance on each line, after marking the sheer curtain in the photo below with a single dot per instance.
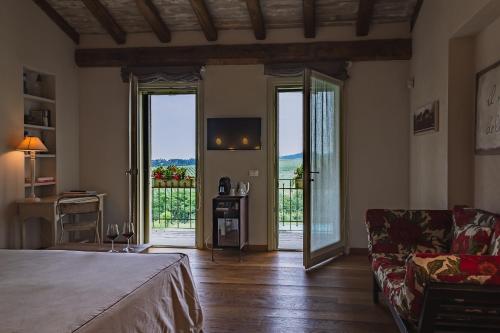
325 159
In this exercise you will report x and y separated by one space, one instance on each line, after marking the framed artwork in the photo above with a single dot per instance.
426 118
488 110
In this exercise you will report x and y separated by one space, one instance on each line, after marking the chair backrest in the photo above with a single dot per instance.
78 205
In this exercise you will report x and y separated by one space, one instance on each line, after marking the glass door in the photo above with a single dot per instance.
324 231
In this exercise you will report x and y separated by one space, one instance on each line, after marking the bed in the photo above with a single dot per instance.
69 291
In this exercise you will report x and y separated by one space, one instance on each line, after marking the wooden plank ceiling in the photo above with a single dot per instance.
119 17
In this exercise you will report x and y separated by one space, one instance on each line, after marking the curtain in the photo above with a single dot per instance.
148 75
133 161
325 160
336 69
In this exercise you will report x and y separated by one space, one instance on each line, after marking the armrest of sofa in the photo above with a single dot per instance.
407 231
424 268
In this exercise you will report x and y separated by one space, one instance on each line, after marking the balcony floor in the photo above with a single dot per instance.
288 240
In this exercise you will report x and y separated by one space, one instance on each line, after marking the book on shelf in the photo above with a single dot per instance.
79 192
45 179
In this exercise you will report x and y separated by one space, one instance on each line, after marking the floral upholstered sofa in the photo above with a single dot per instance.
454 252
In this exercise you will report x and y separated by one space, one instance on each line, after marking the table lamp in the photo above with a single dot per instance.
32 144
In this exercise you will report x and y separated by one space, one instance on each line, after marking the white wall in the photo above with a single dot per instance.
103 138
442 168
376 108
430 168
487 167
29 37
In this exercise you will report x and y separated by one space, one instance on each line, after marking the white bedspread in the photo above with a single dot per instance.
64 291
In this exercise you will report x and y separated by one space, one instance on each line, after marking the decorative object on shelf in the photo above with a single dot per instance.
32 144
426 118
488 110
37 86
224 186
171 176
243 188
299 177
38 117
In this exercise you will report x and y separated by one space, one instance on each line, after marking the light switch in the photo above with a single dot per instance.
253 173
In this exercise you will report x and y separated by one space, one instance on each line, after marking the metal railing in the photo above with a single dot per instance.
174 207
290 205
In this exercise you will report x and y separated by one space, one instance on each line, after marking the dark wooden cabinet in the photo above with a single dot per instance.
230 222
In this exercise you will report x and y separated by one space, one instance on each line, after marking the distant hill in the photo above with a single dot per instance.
174 161
291 157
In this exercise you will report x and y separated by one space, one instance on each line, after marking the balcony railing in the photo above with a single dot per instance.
175 207
290 204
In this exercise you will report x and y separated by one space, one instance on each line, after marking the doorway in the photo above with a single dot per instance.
290 213
306 163
171 146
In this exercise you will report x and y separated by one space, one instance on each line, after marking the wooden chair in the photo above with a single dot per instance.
70 209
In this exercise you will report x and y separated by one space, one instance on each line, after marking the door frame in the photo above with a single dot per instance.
145 137
273 84
325 254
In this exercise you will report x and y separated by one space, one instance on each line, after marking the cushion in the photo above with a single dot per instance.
390 271
471 239
494 248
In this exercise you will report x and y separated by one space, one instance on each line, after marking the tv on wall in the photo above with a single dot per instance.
233 134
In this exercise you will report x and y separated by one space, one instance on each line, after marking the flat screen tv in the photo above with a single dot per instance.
233 134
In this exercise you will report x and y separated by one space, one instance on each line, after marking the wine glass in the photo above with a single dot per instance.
112 233
128 232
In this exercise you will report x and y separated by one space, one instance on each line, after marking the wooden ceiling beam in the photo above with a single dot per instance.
257 19
378 49
152 16
58 20
204 19
365 14
416 11
106 20
309 10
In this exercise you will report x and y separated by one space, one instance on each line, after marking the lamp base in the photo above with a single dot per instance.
32 199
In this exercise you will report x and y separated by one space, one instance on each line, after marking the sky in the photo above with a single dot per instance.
173 124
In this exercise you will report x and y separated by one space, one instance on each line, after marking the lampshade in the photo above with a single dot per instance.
31 143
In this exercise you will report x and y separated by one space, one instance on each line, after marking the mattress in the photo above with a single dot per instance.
68 291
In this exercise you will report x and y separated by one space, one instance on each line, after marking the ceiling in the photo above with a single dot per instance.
178 15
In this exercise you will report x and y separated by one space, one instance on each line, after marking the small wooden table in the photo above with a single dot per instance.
46 209
93 247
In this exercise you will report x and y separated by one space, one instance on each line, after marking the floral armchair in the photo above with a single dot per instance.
412 249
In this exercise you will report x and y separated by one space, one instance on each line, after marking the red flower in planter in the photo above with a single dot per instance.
404 232
176 177
487 268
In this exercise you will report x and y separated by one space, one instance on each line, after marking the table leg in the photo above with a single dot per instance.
23 234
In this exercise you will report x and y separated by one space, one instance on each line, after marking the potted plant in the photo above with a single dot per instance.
299 177
171 176
159 177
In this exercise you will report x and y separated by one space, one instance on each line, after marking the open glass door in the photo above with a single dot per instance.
324 230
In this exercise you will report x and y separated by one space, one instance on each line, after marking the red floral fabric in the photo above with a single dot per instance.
494 248
407 231
423 268
474 231
408 249
471 239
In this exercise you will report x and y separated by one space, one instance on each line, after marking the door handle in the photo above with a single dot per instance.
131 172
314 172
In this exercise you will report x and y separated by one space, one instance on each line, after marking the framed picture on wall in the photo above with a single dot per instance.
488 110
426 118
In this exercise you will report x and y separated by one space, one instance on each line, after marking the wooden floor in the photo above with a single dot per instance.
270 292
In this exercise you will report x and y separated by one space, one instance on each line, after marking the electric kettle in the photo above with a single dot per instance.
243 188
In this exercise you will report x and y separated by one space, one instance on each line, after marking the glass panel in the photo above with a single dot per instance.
325 163
173 163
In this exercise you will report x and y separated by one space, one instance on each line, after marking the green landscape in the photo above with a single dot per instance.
175 207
